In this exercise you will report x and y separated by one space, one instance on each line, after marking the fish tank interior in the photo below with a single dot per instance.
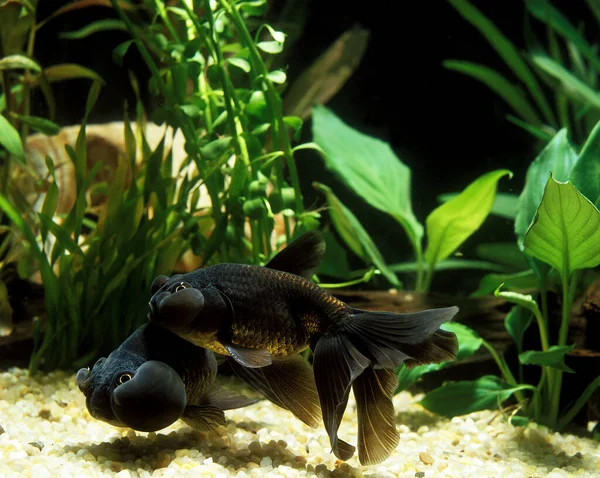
290 238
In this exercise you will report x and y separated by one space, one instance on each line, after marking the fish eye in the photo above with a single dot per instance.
181 286
124 377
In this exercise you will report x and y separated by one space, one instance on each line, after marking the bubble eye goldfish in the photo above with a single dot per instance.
262 317
154 379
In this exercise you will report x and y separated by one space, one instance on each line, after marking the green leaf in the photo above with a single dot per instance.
516 323
523 300
507 51
506 253
335 261
450 264
553 358
450 224
69 71
545 132
545 12
505 205
586 172
565 232
10 139
517 281
354 235
277 76
42 125
511 94
215 149
120 50
240 63
18 62
571 86
559 157
369 167
272 47
461 398
94 27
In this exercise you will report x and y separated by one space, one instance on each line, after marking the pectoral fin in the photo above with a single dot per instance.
251 358
288 382
203 417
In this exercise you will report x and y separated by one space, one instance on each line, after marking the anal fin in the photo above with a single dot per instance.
337 363
288 382
203 417
377 433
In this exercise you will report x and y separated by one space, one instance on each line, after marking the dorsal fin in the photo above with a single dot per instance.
302 256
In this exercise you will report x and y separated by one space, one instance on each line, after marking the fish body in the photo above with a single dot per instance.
153 379
261 317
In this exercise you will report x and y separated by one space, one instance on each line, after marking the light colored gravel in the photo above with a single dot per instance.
48 432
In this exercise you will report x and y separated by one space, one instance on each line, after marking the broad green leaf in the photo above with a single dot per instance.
559 157
94 27
369 167
523 300
277 76
215 149
120 50
506 253
240 63
553 358
272 47
10 139
565 232
460 398
468 343
354 235
450 264
69 71
516 323
507 51
450 224
545 12
511 94
586 172
14 62
505 205
42 125
571 86
517 281
335 260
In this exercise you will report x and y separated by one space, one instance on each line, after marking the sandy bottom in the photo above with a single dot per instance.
46 431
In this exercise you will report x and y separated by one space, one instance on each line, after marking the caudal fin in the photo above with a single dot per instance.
372 341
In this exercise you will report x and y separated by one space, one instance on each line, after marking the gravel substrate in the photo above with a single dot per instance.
45 430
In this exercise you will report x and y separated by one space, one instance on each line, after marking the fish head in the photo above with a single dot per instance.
124 390
174 302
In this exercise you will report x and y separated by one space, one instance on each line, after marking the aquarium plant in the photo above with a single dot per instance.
210 76
370 168
566 64
557 226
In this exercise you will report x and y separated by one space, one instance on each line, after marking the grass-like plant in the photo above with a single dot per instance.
370 168
566 63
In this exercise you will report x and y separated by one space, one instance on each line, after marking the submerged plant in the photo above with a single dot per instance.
370 168
557 226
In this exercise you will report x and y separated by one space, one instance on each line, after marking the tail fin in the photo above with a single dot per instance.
389 339
381 340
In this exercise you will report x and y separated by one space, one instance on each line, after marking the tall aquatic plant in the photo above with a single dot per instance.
215 86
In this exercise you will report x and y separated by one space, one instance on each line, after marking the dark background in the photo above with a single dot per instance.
447 128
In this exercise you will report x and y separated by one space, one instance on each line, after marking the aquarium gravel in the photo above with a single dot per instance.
46 431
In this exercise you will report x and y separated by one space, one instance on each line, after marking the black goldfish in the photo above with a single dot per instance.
154 379
262 317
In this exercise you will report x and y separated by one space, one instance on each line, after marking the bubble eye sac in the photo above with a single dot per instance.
177 310
82 380
151 400
157 283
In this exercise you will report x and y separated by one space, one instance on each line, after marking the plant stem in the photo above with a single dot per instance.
581 401
503 366
279 130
